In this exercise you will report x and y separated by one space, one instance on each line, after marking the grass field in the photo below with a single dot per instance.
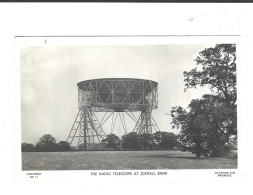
121 160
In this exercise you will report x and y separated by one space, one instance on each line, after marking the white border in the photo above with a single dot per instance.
66 19
85 175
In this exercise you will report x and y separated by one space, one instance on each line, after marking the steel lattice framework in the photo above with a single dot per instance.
116 97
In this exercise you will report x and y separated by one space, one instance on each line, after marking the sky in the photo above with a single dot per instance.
49 75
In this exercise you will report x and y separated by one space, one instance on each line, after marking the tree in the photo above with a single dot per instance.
192 136
47 138
90 146
204 128
64 146
210 125
165 140
47 143
130 141
111 141
146 141
82 147
217 69
27 147
96 147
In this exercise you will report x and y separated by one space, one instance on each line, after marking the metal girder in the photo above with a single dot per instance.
89 129
112 96
146 123
123 94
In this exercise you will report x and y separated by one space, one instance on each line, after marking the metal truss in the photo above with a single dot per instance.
121 94
117 98
146 123
121 116
86 129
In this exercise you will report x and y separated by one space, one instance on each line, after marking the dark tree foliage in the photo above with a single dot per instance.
207 126
165 140
90 146
216 69
47 138
47 147
73 148
111 141
210 125
64 146
146 141
82 147
130 141
96 147
47 143
192 135
27 147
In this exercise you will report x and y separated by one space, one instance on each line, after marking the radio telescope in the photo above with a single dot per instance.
116 98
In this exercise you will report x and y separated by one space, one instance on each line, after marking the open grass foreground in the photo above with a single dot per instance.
121 160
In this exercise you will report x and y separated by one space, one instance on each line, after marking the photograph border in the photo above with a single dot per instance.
93 175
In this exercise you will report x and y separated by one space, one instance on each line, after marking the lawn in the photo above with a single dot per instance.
121 160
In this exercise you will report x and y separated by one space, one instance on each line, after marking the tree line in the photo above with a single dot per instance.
47 143
160 140
132 141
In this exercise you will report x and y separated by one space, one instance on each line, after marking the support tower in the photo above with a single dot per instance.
116 98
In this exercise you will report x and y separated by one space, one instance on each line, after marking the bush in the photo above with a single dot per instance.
130 141
47 147
166 140
27 147
47 143
221 151
111 141
64 146
96 147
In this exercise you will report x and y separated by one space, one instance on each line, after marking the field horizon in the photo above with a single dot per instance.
121 160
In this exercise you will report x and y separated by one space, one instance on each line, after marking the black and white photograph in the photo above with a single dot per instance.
126 98
128 106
